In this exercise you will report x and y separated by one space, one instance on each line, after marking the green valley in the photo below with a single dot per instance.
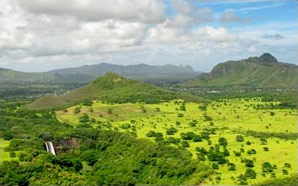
250 131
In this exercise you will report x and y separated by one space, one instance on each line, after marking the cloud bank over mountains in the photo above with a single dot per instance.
39 35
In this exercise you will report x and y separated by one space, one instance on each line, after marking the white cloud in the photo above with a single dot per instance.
43 35
12 28
95 10
182 6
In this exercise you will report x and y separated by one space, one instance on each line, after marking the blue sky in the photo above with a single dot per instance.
44 35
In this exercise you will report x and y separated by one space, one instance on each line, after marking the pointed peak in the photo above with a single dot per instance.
267 58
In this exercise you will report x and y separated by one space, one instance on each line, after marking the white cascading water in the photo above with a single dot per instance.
47 147
50 148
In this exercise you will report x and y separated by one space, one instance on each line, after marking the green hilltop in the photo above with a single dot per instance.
110 88
258 72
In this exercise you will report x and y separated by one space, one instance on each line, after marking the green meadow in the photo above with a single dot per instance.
5 155
252 134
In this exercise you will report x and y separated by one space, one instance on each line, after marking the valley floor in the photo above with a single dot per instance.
253 140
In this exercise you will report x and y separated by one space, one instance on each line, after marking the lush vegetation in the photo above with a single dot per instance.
86 155
257 72
239 138
117 131
110 88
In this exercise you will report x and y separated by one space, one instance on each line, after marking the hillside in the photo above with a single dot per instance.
8 76
259 72
110 88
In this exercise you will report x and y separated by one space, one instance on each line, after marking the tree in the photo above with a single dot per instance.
84 118
242 180
214 165
232 167
187 136
184 144
143 109
203 107
267 167
249 163
68 161
12 154
180 115
197 138
90 156
239 138
87 102
250 173
7 135
251 151
287 165
110 110
77 110
222 141
171 131
182 107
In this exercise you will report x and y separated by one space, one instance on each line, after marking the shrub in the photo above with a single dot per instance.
249 163
171 131
222 141
239 138
215 166
84 118
7 136
232 167
251 151
250 173
12 154
77 110
184 144
173 140
266 148
180 115
187 136
110 111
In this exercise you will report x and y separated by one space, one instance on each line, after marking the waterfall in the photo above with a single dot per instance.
50 148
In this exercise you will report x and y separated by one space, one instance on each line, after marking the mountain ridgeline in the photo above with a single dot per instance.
257 72
88 73
142 72
16 83
111 88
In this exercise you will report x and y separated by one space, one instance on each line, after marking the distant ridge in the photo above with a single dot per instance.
260 72
110 88
87 73
141 72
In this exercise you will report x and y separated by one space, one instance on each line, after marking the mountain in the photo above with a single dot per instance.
88 73
141 72
15 83
259 72
110 88
8 76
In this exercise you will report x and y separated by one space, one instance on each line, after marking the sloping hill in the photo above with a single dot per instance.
260 72
111 88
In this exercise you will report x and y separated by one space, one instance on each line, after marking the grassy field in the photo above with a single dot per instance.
225 118
4 155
